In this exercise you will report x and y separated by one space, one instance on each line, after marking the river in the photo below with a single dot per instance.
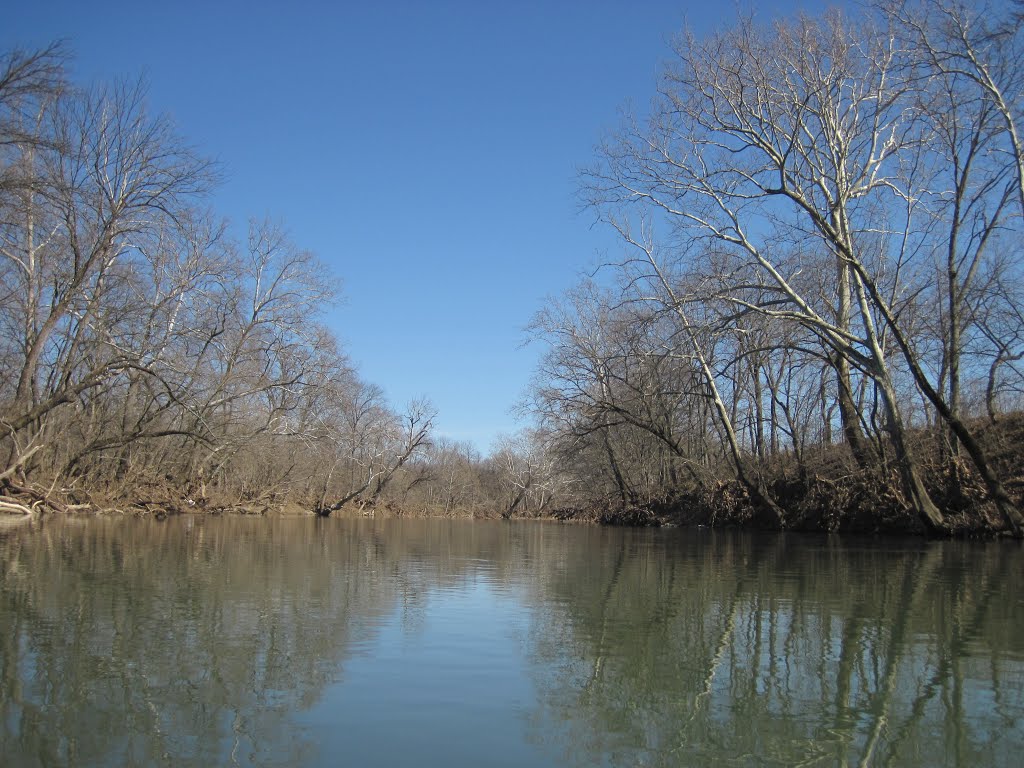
296 641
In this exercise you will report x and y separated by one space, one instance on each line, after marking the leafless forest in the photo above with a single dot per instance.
814 318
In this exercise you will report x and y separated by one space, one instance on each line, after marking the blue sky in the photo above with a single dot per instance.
426 151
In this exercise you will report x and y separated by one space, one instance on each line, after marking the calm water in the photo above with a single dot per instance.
221 641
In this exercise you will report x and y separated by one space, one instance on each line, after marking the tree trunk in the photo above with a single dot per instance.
848 413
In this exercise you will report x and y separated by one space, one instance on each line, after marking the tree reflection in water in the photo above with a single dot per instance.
137 642
730 648
200 641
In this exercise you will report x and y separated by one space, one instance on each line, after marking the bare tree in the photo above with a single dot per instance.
373 444
769 145
102 178
30 82
526 472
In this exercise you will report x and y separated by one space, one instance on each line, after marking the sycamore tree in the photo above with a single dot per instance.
829 146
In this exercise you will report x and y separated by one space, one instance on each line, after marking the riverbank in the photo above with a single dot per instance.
829 493
826 492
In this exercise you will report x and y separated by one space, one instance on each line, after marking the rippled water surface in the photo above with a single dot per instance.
221 641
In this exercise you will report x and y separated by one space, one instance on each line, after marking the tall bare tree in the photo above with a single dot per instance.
772 150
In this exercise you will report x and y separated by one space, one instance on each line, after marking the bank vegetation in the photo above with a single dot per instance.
819 291
153 356
814 320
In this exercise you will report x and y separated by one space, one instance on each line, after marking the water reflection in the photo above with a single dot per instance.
127 642
209 641
725 648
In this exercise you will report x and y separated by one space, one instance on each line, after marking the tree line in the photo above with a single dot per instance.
820 219
154 359
818 297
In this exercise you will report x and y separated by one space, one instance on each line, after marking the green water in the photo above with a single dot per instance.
234 641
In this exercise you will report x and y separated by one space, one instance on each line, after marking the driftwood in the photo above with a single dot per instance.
31 499
14 508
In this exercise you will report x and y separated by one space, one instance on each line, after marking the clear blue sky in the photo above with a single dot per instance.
425 151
